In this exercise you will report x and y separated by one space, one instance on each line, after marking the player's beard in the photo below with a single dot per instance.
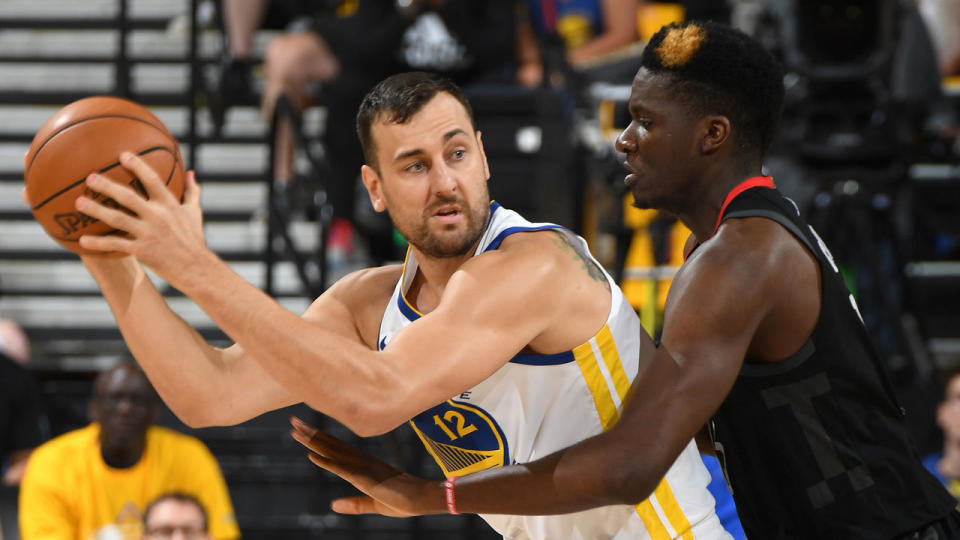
444 245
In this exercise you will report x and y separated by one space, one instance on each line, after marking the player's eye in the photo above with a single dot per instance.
416 166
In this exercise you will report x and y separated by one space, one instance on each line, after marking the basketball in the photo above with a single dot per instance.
88 136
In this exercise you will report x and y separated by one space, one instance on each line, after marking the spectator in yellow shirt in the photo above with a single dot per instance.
95 482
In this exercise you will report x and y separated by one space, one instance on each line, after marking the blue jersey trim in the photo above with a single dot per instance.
543 359
405 308
510 230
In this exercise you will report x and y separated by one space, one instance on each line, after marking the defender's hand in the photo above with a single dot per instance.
163 233
389 491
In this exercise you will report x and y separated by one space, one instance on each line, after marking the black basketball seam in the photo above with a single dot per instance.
82 120
109 167
108 233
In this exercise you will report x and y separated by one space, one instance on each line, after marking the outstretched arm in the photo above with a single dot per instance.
203 385
474 331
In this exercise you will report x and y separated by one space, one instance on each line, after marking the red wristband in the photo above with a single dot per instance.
448 493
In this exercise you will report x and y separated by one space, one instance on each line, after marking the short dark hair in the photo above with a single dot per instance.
720 70
180 497
399 97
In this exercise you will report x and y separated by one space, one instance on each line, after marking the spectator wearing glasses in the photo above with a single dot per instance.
175 516
96 481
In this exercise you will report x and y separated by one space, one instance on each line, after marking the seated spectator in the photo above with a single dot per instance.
96 481
20 414
945 465
174 513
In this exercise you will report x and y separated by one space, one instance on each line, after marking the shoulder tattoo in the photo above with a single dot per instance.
567 242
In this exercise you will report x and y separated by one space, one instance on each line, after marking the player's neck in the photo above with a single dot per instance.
701 216
432 277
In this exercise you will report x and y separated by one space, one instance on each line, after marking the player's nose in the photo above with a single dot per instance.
625 142
444 179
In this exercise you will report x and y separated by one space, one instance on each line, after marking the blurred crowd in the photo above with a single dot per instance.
124 477
329 53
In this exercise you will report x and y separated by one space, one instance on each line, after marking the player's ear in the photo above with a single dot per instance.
716 131
371 181
483 155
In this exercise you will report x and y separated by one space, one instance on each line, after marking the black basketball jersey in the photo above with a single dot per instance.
815 446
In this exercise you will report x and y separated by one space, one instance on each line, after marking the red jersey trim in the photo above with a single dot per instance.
756 181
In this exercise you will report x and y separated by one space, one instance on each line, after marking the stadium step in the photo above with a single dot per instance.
70 278
94 312
235 240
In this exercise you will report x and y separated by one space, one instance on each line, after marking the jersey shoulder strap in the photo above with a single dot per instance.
773 205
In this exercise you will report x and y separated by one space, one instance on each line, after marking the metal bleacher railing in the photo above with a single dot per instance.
311 268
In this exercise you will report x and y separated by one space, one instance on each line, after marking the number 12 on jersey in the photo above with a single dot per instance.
457 420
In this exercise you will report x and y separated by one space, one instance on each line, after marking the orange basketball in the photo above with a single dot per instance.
88 136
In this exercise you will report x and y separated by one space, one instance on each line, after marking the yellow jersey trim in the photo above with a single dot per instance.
608 349
607 411
590 369
668 502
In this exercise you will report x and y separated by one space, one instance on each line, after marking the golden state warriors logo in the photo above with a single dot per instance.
462 438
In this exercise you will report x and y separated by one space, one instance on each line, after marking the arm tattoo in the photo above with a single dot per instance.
566 241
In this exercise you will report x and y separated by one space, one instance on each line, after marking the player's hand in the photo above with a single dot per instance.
163 233
389 491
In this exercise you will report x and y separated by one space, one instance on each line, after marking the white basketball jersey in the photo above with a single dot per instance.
537 404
